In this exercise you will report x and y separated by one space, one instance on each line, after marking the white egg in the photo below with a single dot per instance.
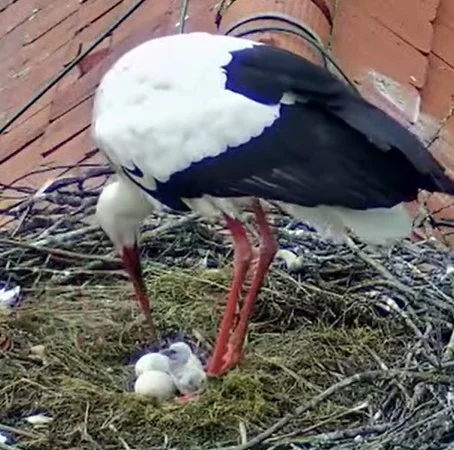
155 384
152 361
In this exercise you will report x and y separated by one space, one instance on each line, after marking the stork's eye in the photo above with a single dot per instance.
170 353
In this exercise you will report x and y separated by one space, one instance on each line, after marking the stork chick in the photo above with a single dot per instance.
186 370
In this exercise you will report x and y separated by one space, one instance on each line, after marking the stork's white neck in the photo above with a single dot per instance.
120 210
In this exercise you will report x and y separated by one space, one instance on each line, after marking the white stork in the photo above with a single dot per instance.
215 124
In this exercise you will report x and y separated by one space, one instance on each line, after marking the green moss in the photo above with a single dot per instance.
298 345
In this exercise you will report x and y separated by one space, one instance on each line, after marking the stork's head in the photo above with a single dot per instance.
178 353
120 210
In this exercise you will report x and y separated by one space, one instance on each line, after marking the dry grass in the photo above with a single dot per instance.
90 337
348 310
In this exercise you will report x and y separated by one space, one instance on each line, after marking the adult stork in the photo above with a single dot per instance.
217 124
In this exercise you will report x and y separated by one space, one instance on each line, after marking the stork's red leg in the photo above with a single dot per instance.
243 257
131 261
268 249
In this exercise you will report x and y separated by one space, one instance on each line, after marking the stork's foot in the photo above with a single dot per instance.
232 358
186 398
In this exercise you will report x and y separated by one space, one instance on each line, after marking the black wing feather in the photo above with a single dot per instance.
305 158
332 147
275 70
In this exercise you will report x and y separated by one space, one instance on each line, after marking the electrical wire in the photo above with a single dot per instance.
70 66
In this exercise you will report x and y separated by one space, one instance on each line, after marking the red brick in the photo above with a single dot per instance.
68 80
4 4
361 43
159 18
28 114
92 60
426 128
77 92
41 4
92 30
445 13
197 19
25 86
448 129
409 19
67 126
48 18
14 141
16 14
45 100
441 206
75 149
201 17
443 44
24 162
11 58
401 101
436 94
79 149
95 9
443 150
29 161
93 27
50 41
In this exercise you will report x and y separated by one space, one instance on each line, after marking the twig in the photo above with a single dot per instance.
62 237
15 430
358 378
379 268
8 447
449 351
355 409
125 445
346 434
58 252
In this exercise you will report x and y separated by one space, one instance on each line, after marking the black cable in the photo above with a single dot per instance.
183 13
301 30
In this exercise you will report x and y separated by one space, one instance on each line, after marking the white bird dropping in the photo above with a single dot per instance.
155 384
152 361
39 420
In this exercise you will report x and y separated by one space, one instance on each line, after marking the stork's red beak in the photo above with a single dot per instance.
131 261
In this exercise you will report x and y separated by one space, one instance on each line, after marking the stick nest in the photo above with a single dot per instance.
352 350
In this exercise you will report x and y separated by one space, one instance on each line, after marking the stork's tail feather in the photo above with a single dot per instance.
379 226
440 182
386 133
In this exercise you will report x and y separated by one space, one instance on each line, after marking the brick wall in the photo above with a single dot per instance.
399 52
37 39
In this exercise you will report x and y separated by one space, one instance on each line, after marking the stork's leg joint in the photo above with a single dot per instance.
268 249
243 258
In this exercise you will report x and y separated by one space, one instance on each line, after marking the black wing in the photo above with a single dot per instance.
332 147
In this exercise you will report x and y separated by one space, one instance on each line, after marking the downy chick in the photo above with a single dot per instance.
185 368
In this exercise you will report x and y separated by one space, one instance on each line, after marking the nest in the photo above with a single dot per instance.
352 350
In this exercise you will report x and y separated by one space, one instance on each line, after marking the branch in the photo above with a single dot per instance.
370 375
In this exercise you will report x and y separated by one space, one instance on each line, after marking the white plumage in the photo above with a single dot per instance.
152 361
164 106
169 94
215 124
185 368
